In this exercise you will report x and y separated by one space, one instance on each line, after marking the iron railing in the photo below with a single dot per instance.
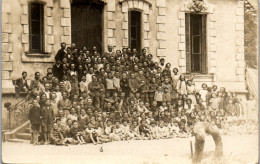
18 113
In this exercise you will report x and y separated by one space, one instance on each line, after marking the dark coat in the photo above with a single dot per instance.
35 115
20 83
60 55
47 115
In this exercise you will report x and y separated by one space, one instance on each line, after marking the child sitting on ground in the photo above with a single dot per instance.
144 130
56 136
75 133
154 130
90 135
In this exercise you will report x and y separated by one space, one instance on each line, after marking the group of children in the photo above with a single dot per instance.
92 98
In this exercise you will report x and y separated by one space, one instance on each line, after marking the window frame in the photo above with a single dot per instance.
203 42
42 38
130 31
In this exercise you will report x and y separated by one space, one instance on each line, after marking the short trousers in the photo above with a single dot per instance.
35 127
46 127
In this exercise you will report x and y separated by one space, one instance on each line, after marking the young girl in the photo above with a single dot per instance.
214 102
191 91
203 92
175 77
181 85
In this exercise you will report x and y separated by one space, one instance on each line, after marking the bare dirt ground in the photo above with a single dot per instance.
237 149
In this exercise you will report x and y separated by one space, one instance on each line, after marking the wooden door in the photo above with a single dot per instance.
86 25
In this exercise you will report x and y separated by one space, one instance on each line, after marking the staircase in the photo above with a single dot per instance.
18 129
21 136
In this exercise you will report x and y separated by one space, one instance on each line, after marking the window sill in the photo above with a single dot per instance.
38 54
36 57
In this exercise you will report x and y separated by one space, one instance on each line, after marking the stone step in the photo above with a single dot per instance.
19 140
24 136
27 130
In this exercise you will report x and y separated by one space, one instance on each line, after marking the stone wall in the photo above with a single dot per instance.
162 33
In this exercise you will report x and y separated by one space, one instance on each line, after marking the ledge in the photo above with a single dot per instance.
146 1
32 57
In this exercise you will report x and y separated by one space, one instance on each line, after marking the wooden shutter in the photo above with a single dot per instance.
204 60
188 43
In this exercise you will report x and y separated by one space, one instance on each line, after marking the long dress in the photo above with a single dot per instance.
191 93
175 79
181 87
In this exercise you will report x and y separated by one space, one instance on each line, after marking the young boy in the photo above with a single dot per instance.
154 130
91 135
144 130
35 117
75 133
159 95
83 119
134 129
56 136
163 131
47 119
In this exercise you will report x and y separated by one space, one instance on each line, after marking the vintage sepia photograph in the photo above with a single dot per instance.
129 81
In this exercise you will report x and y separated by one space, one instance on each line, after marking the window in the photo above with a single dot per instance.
135 30
36 27
196 46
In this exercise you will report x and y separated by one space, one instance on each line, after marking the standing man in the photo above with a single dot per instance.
62 52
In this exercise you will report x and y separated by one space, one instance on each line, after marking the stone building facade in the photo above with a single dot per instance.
167 29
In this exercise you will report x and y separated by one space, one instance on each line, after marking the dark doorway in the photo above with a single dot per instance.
135 30
196 43
86 24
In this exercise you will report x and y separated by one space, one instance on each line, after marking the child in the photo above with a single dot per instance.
154 130
181 85
191 91
110 84
83 119
75 133
163 131
175 77
90 135
159 95
144 130
240 108
35 116
214 102
126 130
203 92
54 103
117 132
251 107
166 95
47 119
141 108
174 129
134 129
56 136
